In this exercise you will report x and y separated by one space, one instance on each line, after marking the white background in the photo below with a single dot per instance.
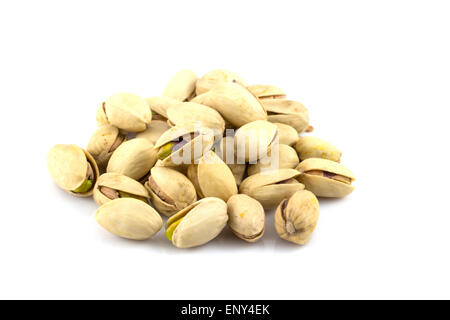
375 76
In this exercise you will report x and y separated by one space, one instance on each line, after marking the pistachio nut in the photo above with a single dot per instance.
113 185
234 102
296 217
287 159
214 77
188 114
253 140
179 145
238 169
170 191
181 86
159 106
246 217
263 91
326 178
289 112
154 130
270 188
129 218
212 177
312 147
182 168
198 223
286 134
103 143
125 111
73 169
133 158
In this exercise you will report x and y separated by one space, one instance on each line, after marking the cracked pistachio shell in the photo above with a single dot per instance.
325 185
270 188
286 134
188 114
198 223
212 177
234 102
246 217
103 142
214 77
154 130
170 190
181 168
133 158
129 218
296 217
253 140
181 85
263 91
287 159
189 152
312 147
161 104
68 165
238 169
118 182
126 111
289 112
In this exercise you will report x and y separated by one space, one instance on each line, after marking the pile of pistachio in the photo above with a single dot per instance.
130 170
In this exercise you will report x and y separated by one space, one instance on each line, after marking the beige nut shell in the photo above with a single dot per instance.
312 147
287 159
214 77
100 144
161 104
286 134
181 85
238 169
263 91
127 111
189 114
289 112
154 130
246 217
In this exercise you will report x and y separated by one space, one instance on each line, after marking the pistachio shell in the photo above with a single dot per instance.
129 218
161 104
212 177
201 222
133 158
68 164
101 116
238 169
214 77
267 189
323 186
263 91
296 217
103 142
312 147
181 85
174 185
154 130
286 134
246 217
289 112
234 102
117 182
287 159
253 140
127 111
188 114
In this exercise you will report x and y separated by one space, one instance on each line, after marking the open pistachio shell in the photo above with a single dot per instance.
133 158
238 169
263 91
198 223
270 188
287 159
181 86
126 111
214 77
129 218
212 177
188 114
103 143
154 130
253 140
296 217
73 169
234 102
161 104
289 112
112 186
312 147
326 178
170 191
186 153
286 134
246 217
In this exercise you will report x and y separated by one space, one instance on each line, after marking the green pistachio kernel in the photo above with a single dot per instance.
165 151
171 229
85 186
